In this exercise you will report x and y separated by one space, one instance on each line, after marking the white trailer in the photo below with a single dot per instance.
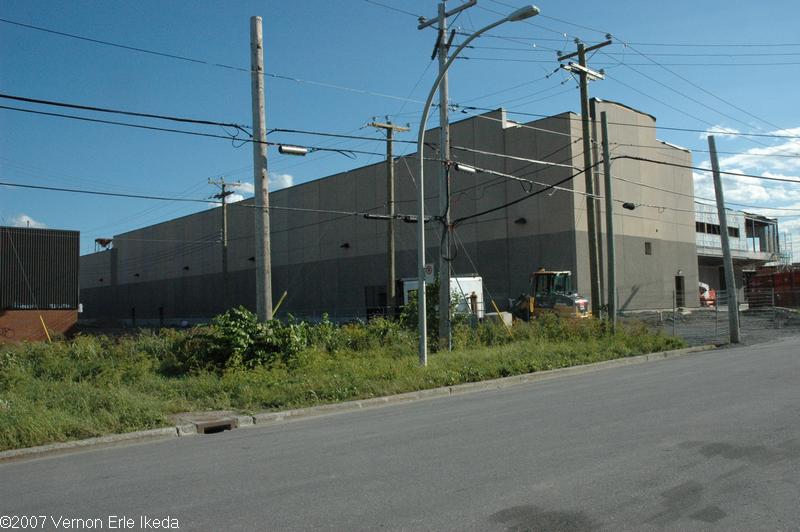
462 289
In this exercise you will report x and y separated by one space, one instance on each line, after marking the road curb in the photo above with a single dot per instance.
57 448
469 387
267 418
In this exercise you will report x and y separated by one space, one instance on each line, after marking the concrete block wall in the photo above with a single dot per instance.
324 260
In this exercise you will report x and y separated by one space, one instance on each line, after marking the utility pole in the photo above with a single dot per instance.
261 177
222 195
442 48
585 74
391 287
611 298
730 280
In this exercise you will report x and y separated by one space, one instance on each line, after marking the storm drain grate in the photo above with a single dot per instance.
216 426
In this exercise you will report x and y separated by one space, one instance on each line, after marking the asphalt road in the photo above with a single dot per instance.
705 442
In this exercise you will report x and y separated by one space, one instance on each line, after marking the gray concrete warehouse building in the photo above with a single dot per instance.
336 263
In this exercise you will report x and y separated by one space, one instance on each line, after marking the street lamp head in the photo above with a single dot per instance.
523 13
292 150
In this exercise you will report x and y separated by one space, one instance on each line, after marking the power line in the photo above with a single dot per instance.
695 100
495 93
511 38
524 126
569 178
322 84
529 195
789 155
337 135
704 90
717 45
676 193
121 112
638 43
514 157
536 49
606 65
185 132
528 181
204 62
373 2
664 67
194 200
644 126
701 169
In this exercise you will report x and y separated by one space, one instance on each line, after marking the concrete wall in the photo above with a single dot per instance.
325 261
664 220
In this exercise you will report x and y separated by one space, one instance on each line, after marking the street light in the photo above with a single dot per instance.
520 14
292 150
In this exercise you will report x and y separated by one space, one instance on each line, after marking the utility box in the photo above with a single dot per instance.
466 290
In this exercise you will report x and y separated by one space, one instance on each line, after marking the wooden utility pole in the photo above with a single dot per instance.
222 195
611 298
727 261
391 287
260 175
585 74
442 48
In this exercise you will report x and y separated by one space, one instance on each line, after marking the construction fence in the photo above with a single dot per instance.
764 314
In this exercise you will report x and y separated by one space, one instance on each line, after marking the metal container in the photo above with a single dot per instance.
38 269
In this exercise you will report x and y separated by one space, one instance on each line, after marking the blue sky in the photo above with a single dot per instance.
374 52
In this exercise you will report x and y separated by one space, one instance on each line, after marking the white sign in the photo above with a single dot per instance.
429 273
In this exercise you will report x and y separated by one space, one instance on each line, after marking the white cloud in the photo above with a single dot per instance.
245 187
23 220
790 132
742 192
719 131
276 182
279 181
703 185
233 198
783 157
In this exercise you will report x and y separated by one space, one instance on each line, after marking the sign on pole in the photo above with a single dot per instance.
429 273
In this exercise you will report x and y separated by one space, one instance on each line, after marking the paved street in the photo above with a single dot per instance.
705 442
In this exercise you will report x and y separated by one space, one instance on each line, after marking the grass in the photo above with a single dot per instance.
95 385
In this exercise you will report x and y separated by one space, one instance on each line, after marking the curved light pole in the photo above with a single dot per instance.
520 14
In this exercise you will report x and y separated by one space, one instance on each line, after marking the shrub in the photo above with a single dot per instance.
237 339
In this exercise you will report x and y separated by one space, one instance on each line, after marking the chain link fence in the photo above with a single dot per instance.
763 315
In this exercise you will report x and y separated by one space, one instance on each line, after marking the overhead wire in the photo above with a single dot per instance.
67 105
205 62
701 169
723 152
200 61
188 200
696 198
183 131
514 157
577 118
654 62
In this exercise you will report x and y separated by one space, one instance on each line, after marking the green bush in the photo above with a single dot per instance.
237 339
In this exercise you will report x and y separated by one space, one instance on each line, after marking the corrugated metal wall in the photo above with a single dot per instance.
38 268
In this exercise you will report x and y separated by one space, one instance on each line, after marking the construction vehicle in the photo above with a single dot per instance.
551 291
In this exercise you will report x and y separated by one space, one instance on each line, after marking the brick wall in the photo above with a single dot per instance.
19 325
